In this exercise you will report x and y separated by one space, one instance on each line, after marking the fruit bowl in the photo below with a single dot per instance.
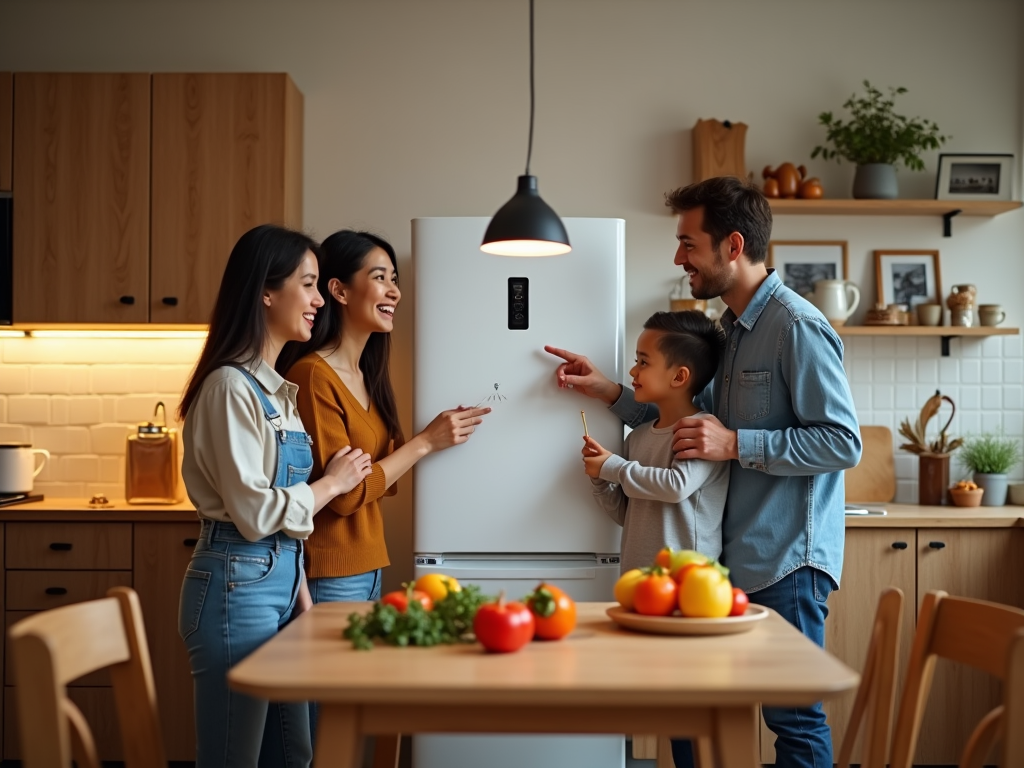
966 497
679 625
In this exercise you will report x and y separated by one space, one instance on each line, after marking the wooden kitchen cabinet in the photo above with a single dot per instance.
6 129
81 221
162 553
966 562
227 156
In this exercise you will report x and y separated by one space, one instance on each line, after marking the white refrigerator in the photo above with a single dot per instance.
512 506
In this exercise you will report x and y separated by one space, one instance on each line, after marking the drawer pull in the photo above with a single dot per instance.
60 546
56 591
190 542
170 301
937 544
127 300
899 545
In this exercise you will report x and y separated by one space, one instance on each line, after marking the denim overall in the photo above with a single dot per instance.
237 594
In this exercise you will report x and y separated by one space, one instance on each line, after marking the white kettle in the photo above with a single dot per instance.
837 299
17 467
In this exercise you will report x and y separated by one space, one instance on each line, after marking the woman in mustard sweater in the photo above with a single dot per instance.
345 398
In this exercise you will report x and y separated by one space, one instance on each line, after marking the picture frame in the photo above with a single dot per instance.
908 278
801 263
974 177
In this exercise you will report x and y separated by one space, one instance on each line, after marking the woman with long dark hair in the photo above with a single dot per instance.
346 399
246 467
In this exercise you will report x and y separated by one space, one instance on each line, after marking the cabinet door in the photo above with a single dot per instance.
81 222
227 156
6 128
162 553
980 563
875 558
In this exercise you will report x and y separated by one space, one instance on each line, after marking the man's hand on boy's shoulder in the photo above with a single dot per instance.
594 457
704 438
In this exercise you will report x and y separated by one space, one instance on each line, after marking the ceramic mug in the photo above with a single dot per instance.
929 314
17 466
991 314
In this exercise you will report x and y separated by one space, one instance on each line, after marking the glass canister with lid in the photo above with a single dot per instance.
152 460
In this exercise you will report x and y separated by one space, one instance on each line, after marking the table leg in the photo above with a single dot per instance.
386 749
339 742
735 737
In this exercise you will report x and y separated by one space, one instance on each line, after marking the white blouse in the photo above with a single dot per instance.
230 457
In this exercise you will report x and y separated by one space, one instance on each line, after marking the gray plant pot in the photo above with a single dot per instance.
995 489
875 181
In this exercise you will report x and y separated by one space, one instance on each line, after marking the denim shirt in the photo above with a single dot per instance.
782 387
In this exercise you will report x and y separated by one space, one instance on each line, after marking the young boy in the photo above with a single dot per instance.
658 500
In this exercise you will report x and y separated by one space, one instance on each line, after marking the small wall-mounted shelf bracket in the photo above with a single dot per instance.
945 345
947 226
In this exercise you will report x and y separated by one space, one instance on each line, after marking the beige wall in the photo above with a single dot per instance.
419 108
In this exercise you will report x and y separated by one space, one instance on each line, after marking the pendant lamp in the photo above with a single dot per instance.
526 225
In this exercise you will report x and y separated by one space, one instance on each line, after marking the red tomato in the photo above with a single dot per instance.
400 599
656 595
503 627
740 601
554 612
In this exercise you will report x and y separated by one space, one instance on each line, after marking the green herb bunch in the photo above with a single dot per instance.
450 621
990 454
876 134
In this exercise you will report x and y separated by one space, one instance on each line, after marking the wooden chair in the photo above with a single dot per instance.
877 692
973 632
60 645
1013 701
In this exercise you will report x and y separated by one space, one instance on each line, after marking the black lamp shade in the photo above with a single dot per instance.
526 226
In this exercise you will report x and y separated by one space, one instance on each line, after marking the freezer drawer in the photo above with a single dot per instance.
591 580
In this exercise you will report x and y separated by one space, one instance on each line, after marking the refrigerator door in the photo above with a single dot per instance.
584 579
518 484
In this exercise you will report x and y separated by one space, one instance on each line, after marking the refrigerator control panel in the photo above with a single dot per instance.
518 303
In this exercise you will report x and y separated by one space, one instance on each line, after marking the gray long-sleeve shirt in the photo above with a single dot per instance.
661 501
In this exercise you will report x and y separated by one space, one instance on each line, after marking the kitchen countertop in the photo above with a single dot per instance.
899 515
78 510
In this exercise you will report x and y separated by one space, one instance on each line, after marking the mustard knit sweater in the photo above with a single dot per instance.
348 534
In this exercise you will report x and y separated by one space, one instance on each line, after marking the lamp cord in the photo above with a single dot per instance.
529 148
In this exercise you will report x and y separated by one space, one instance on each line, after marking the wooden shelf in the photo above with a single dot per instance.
947 209
924 330
943 332
892 207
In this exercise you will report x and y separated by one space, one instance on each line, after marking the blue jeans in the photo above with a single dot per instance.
803 738
236 595
346 589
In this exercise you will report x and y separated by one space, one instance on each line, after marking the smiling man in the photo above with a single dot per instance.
784 417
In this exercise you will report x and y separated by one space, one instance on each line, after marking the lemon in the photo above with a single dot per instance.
437 585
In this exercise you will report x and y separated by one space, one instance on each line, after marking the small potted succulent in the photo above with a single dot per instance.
933 455
875 139
990 456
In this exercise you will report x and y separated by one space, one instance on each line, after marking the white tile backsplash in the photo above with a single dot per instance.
984 377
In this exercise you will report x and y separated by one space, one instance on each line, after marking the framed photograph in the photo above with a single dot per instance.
974 177
908 277
801 263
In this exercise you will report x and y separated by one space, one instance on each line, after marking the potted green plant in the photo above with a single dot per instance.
990 456
875 139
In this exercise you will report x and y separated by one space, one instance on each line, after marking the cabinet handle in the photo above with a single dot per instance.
170 301
190 542
127 299
899 545
60 546
937 544
56 591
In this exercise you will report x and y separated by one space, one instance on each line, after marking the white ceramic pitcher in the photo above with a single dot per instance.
837 299
18 466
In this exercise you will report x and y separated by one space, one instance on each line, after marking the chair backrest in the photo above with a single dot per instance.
874 478
60 645
877 692
977 633
1013 701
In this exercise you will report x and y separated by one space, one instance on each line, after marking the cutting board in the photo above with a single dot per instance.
874 479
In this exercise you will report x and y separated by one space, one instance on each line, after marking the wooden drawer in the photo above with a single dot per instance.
42 590
70 546
97 704
99 678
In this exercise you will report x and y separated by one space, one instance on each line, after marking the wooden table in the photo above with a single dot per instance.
601 679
